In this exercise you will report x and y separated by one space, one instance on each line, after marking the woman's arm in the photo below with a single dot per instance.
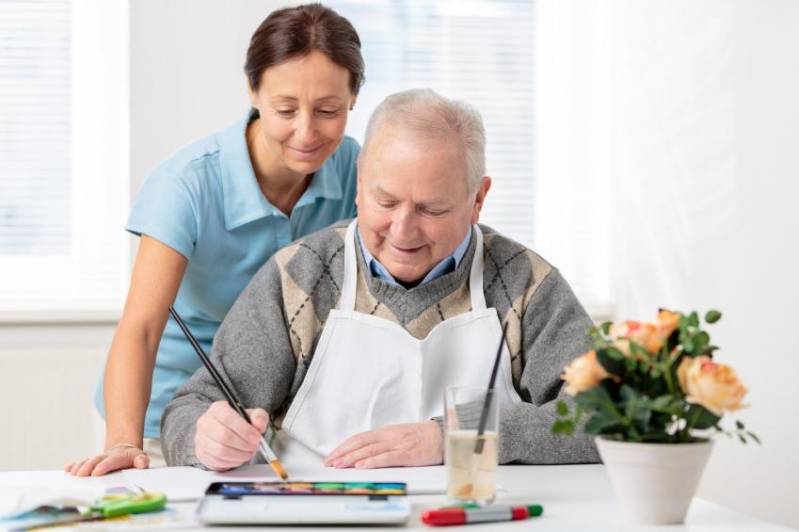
157 274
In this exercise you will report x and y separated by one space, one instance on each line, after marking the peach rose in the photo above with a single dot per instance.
668 322
643 334
714 386
583 373
648 335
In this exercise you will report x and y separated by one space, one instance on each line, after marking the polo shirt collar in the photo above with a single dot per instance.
325 183
243 200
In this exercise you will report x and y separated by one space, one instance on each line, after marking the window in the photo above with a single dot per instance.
63 157
454 48
511 60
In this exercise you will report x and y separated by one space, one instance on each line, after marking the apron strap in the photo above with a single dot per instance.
348 287
476 275
347 301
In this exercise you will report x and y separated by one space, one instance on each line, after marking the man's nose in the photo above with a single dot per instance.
405 224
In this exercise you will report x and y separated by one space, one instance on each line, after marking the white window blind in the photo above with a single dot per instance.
479 51
515 61
34 98
63 157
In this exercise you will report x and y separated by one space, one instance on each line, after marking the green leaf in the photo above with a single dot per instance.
637 407
754 437
562 409
662 403
700 417
743 440
606 327
708 351
600 422
593 399
688 344
614 353
638 352
693 319
739 425
701 340
712 316
563 426
612 363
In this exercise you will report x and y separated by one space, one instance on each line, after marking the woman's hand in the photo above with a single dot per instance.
121 456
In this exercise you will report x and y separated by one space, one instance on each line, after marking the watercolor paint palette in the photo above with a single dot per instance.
307 488
263 503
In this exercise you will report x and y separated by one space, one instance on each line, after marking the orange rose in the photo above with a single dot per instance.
714 386
668 322
643 334
583 373
648 335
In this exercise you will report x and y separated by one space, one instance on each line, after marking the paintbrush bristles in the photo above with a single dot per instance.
277 467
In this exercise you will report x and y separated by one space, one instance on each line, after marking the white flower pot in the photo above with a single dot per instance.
654 482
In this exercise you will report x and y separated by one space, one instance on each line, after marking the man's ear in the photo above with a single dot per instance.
480 198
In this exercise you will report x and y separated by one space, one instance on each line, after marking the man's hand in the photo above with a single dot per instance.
224 439
409 444
122 456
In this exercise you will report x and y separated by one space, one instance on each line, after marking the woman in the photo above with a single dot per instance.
217 210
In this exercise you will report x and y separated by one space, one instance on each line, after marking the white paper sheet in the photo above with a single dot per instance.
22 490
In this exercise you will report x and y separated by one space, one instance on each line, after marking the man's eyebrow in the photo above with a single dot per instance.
435 202
379 190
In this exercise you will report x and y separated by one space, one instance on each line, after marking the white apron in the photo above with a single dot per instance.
368 372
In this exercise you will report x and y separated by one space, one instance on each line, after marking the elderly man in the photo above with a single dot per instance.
346 339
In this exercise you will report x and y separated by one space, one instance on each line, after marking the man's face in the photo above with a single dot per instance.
414 203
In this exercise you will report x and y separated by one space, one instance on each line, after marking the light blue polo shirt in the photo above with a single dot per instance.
205 204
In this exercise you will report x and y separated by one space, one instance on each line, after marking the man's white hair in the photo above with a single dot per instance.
434 117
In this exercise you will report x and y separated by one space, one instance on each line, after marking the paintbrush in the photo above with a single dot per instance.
230 395
478 446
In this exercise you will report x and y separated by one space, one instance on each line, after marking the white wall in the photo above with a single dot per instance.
47 380
698 142
187 72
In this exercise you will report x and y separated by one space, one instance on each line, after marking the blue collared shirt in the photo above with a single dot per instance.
205 203
447 265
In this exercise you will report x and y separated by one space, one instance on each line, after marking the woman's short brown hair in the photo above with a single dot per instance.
297 31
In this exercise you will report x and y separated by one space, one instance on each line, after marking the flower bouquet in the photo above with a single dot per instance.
643 388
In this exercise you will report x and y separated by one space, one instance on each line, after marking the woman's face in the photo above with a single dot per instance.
303 103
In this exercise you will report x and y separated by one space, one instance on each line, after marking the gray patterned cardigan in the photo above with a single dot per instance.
266 342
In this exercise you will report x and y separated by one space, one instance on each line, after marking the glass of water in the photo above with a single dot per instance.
471 462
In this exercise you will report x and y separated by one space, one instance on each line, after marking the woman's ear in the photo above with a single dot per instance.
252 93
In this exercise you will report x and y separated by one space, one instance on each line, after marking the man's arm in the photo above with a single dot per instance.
554 331
251 351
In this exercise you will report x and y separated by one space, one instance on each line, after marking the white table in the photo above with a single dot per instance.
575 498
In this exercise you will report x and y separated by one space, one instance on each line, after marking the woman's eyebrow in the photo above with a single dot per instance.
286 97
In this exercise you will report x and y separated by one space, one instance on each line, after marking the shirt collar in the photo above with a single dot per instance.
243 200
445 266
